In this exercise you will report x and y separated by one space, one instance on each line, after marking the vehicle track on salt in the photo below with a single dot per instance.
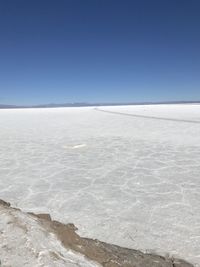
145 117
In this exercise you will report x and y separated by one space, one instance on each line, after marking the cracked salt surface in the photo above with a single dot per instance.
134 183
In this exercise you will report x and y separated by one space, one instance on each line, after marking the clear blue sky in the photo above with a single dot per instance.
99 50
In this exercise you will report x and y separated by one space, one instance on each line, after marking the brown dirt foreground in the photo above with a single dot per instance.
107 255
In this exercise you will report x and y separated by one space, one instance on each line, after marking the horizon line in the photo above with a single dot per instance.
88 104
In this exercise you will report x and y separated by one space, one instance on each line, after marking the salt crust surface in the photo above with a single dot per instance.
128 180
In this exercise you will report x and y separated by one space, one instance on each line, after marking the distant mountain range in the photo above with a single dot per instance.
83 104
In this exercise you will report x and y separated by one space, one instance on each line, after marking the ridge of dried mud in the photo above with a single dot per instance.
105 254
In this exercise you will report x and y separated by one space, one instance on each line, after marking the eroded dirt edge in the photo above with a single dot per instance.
105 254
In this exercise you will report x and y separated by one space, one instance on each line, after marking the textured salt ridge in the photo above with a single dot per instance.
106 255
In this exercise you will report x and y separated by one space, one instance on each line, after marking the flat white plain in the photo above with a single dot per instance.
126 175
